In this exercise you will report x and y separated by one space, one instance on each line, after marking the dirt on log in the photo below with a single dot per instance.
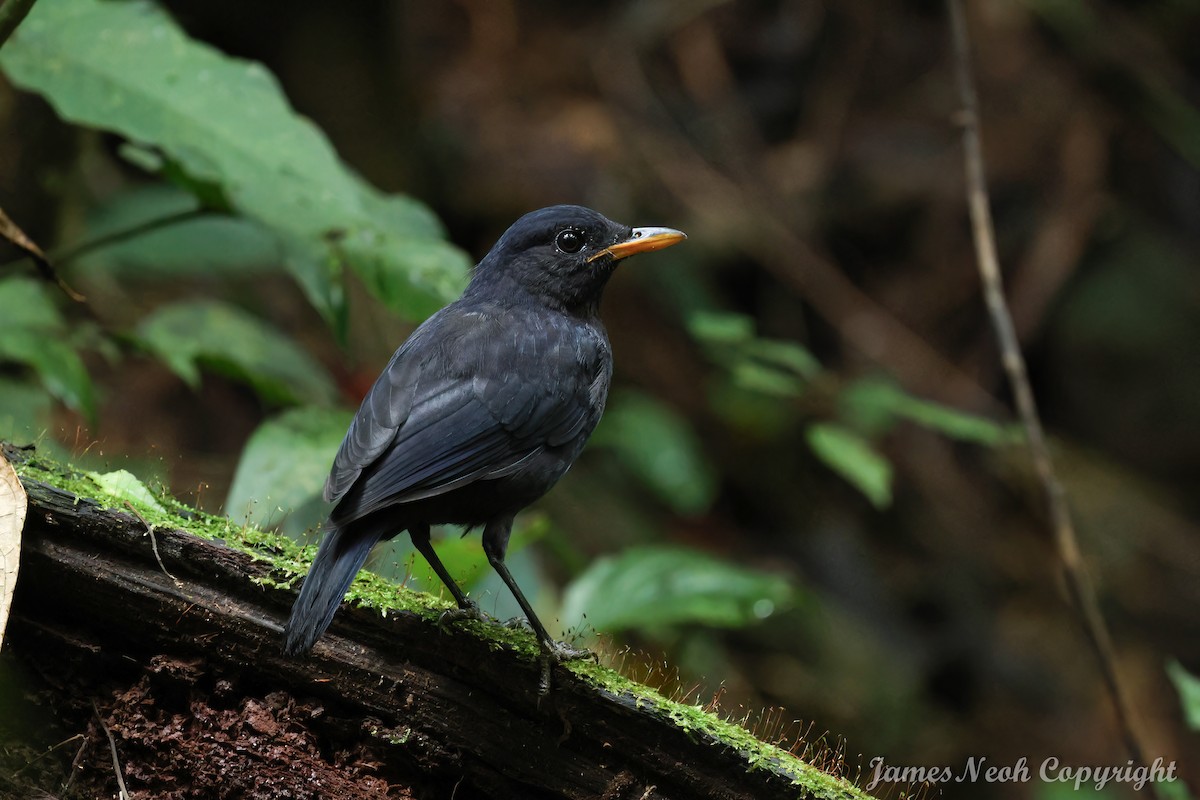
150 663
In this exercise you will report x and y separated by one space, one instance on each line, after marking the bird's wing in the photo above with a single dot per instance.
383 411
477 405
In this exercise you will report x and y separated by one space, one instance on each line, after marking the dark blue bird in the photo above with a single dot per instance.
480 411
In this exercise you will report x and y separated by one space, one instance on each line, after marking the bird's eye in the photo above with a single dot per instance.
569 241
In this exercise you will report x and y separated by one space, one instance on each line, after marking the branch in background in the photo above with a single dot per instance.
124 235
13 233
1078 586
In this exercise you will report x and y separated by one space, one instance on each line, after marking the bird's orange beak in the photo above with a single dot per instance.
642 240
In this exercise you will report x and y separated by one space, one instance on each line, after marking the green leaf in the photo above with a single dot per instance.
24 411
654 587
1188 686
767 366
124 485
228 340
57 364
657 445
26 307
875 405
853 457
284 465
788 356
200 246
719 327
766 379
228 134
33 333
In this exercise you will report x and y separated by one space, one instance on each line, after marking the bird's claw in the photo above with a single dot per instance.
469 611
561 652
555 653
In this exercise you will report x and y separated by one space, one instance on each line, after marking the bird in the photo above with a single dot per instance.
479 412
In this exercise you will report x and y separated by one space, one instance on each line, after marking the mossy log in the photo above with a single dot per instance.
161 645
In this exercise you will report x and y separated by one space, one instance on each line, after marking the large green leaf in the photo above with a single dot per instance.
659 447
227 131
283 467
192 246
656 587
33 333
853 457
224 338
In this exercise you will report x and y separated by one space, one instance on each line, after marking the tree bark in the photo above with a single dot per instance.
178 647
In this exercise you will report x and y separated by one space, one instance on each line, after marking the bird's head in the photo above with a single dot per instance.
563 256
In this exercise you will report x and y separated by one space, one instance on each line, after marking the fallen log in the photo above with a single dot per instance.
154 630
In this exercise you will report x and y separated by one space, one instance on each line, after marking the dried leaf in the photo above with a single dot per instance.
12 521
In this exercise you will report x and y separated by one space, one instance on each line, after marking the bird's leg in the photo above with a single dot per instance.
467 609
495 544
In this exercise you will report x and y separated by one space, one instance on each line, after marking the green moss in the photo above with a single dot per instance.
393 736
699 722
289 561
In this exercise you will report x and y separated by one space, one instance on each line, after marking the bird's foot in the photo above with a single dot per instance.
469 611
555 653
560 652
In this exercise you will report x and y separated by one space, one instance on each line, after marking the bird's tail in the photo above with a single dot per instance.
341 555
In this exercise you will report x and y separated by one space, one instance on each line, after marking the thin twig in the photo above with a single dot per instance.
75 762
48 751
1066 545
154 545
132 232
112 746
13 233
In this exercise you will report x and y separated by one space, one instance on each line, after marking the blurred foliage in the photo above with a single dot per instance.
653 588
24 410
659 449
173 237
34 333
225 339
866 408
1188 686
766 366
852 457
281 473
808 403
877 406
222 128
